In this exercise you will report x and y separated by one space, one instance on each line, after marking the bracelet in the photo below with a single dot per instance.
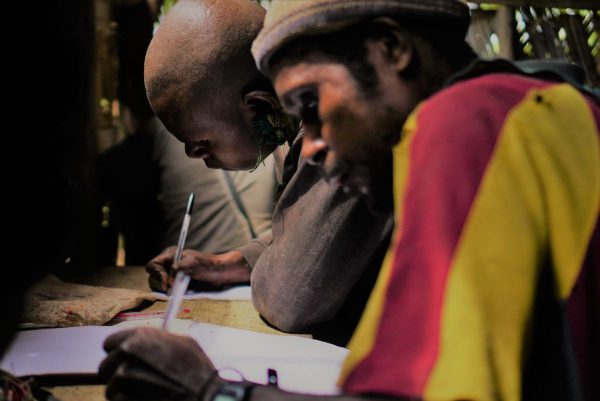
234 391
228 390
207 384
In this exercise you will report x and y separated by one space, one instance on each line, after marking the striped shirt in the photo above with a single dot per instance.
490 288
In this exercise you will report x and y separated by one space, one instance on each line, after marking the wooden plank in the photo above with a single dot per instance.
234 314
580 50
580 4
78 393
504 30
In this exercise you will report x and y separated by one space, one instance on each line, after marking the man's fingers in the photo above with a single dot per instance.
156 271
157 285
171 277
153 267
157 265
161 262
159 282
119 387
187 264
110 364
158 276
115 340
134 381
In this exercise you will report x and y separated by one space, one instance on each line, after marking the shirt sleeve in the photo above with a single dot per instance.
324 242
253 249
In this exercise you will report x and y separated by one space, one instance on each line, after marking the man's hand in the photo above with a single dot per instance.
159 268
216 270
149 364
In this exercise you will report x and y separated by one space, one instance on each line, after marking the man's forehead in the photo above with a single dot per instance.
306 57
311 70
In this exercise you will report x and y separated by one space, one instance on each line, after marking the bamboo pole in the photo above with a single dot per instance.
504 30
579 4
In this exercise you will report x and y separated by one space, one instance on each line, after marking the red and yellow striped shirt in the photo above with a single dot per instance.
490 286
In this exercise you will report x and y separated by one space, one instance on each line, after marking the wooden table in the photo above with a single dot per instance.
236 314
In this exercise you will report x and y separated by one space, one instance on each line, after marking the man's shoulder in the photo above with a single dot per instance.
470 114
488 96
491 88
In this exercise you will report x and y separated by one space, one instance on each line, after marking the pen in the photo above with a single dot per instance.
182 280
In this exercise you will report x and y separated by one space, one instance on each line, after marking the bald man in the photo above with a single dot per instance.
316 272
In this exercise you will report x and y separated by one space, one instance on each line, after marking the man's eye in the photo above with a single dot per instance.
310 112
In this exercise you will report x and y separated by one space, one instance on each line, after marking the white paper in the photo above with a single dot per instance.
57 351
238 293
302 364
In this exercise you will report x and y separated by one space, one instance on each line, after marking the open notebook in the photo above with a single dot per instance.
302 364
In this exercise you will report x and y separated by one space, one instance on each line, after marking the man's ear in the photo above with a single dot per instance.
261 101
398 47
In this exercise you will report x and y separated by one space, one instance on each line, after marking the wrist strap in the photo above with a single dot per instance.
233 391
226 390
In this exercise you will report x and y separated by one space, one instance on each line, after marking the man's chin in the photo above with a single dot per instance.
376 190
351 183
373 180
354 189
213 163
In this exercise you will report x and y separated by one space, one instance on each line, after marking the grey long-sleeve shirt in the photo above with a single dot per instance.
327 247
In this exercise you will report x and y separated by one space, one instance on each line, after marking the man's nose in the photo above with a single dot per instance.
196 150
314 151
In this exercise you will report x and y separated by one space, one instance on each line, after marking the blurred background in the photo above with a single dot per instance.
115 174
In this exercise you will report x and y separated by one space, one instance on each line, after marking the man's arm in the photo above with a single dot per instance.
146 363
324 242
253 249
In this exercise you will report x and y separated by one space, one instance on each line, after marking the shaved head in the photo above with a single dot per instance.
202 47
203 84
